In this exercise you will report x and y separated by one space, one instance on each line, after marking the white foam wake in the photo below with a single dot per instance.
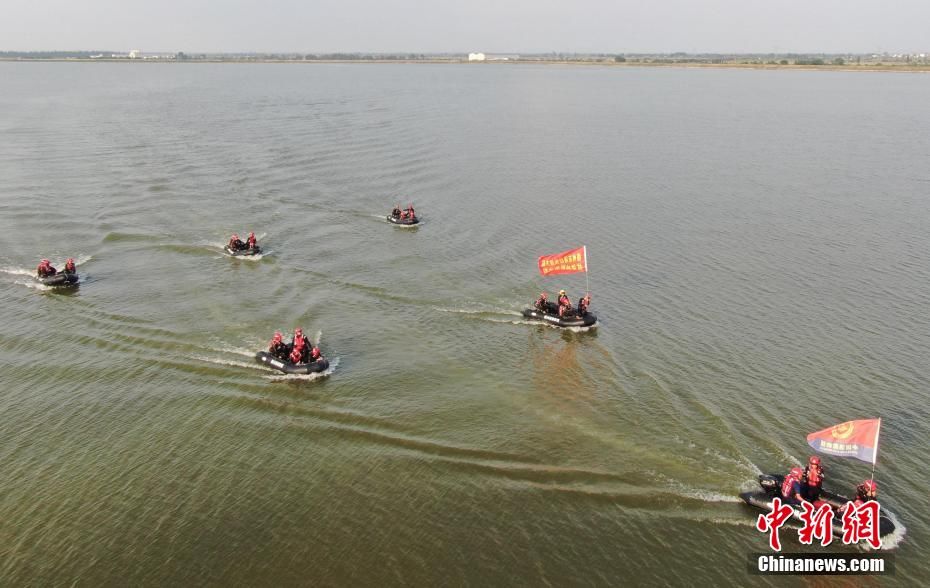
18 271
478 311
232 362
34 285
893 539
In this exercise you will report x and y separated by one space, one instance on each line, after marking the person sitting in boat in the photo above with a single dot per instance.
812 479
396 212
865 492
296 356
583 304
791 486
277 347
45 269
542 303
235 243
565 305
69 266
315 354
252 242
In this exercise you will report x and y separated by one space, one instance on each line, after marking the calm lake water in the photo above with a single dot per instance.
758 247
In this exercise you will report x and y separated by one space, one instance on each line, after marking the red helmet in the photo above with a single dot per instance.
814 460
235 236
277 336
796 473
315 352
298 331
870 486
45 262
251 234
544 295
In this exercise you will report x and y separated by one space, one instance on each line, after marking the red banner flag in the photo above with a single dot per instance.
857 439
567 262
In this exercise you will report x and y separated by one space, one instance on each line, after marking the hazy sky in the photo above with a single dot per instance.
467 25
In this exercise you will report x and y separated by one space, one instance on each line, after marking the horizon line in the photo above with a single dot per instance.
451 53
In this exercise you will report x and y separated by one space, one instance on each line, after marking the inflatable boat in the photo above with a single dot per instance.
243 252
59 279
552 317
771 486
314 367
403 221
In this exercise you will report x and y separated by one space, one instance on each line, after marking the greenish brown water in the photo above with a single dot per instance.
758 250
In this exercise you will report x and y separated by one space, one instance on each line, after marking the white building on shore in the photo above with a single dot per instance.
476 57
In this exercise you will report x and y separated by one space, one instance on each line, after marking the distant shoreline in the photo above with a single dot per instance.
870 67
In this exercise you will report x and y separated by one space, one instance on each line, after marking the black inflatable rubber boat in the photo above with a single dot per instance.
771 486
552 317
287 367
243 252
403 221
59 279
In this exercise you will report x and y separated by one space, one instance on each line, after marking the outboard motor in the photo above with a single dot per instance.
769 483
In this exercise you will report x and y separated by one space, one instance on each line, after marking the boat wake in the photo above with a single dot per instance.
35 285
478 311
18 271
230 362
704 495
893 539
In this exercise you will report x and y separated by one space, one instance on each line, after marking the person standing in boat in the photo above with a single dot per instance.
69 266
299 338
252 242
565 304
813 479
410 213
45 269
